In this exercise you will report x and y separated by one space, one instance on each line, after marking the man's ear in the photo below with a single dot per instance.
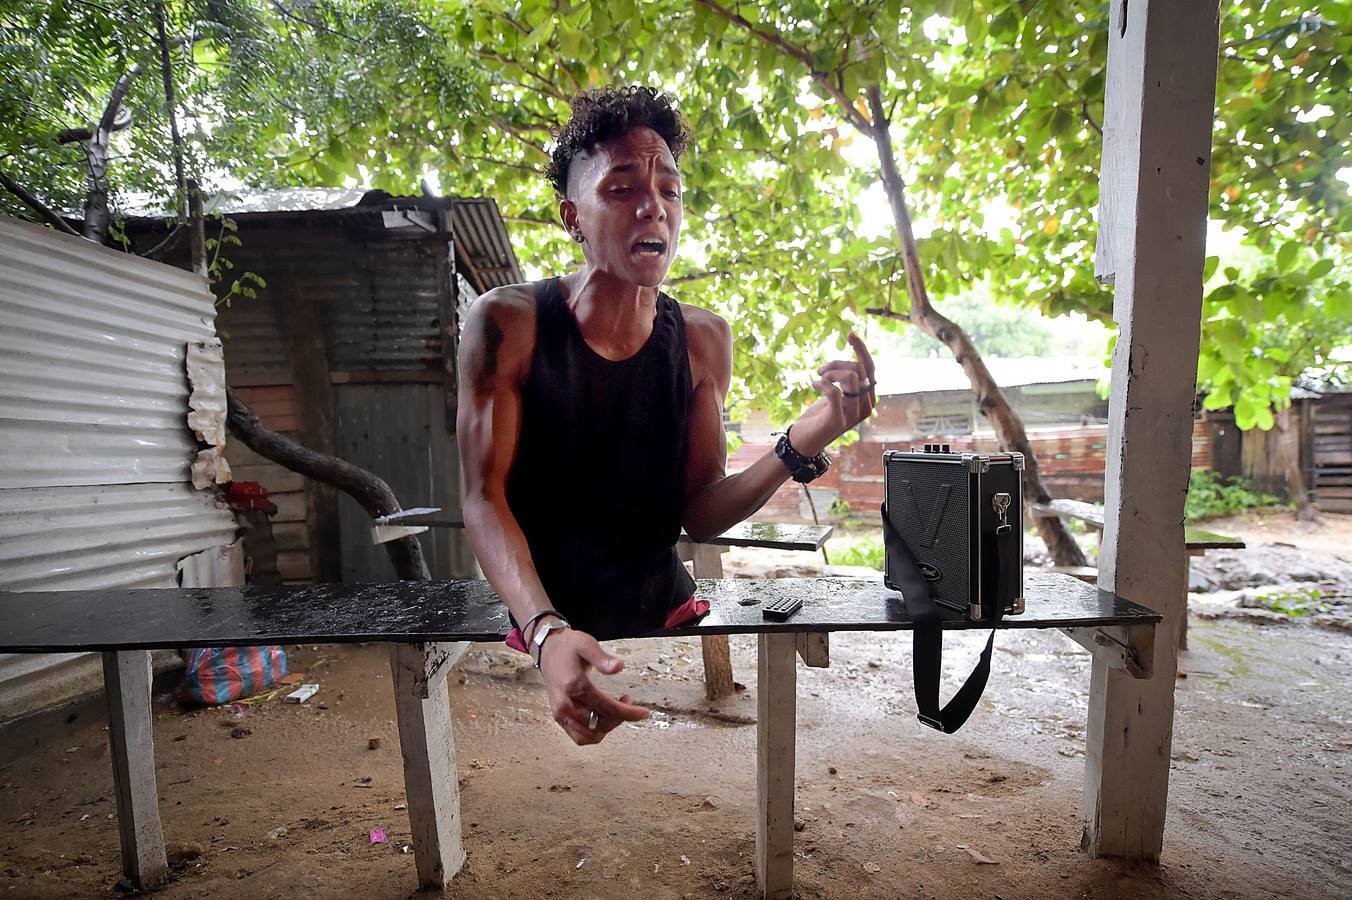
568 214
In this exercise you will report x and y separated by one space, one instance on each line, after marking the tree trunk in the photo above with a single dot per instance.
1288 443
96 218
369 490
990 400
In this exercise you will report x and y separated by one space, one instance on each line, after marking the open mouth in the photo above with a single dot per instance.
649 248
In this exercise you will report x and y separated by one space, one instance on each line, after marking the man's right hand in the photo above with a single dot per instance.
566 659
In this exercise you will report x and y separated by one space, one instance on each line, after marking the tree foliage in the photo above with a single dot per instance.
996 108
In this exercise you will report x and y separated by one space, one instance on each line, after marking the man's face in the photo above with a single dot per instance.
624 197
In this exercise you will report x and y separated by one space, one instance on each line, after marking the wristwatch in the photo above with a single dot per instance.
801 468
542 632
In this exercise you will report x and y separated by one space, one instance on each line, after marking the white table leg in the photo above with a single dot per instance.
431 785
775 726
708 563
126 685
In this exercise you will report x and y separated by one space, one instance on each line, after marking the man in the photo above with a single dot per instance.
591 416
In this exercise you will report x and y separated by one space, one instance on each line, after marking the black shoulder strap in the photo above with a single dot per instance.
928 644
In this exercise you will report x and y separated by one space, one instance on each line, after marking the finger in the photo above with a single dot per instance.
604 662
609 707
578 731
865 358
833 396
841 365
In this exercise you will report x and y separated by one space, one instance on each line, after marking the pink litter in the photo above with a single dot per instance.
378 836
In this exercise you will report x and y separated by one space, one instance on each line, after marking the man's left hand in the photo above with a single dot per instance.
848 397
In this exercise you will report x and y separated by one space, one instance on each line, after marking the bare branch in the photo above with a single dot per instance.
96 205
167 74
79 135
48 215
517 133
773 38
488 160
317 26
698 276
546 87
369 490
170 241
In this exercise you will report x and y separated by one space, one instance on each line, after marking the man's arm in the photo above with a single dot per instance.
496 345
715 501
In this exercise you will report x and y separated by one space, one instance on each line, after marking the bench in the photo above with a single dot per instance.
1195 540
706 559
429 625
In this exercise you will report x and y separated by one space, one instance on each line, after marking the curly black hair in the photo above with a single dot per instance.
610 112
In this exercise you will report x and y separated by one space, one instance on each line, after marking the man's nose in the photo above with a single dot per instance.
650 205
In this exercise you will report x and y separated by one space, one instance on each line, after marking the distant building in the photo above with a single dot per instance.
929 400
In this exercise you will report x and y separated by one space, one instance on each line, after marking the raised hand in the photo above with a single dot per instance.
848 397
565 661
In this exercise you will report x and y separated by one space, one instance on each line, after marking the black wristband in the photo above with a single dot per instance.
801 468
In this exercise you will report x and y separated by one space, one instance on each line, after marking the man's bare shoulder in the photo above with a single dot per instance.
497 337
705 327
511 304
709 339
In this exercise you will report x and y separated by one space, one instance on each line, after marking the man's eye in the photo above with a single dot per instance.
620 189
673 194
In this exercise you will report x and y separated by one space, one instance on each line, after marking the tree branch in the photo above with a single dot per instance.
516 133
775 39
48 216
169 242
547 85
317 26
990 400
96 205
80 135
367 489
698 276
167 75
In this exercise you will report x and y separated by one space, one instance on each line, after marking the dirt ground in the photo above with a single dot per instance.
278 800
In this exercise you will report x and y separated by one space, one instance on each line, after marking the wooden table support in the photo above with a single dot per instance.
431 782
708 563
126 684
776 710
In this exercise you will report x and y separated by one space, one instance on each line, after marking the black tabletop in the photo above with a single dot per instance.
410 612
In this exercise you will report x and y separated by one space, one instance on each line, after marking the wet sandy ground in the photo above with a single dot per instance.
1259 803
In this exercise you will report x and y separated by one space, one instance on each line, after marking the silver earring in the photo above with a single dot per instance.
577 236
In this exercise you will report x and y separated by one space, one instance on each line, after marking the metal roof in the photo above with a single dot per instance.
480 232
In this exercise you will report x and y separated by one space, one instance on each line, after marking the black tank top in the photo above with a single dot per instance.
597 483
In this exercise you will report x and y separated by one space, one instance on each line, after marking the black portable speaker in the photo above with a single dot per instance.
960 516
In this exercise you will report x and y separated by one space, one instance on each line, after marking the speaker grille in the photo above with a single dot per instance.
937 536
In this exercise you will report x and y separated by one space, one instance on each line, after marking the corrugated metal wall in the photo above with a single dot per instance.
94 444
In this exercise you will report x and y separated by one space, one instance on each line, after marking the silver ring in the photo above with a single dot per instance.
593 720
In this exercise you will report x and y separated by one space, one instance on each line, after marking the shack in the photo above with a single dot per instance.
348 345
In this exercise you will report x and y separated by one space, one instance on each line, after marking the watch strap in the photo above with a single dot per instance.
801 468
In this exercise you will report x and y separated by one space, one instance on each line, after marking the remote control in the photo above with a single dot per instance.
780 610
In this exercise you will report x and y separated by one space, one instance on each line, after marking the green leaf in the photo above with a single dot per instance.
1321 268
1287 254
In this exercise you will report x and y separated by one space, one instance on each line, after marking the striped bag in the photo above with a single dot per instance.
216 675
